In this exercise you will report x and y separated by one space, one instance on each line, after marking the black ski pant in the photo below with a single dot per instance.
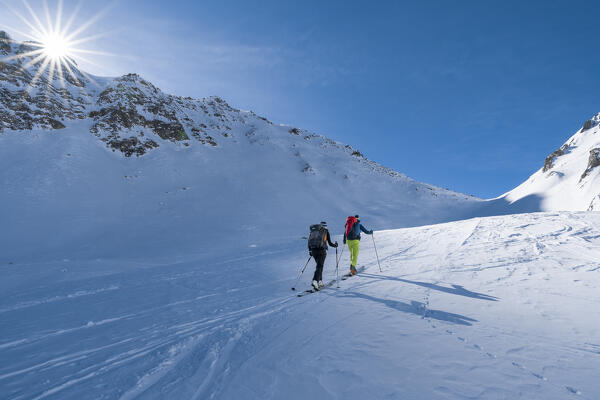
319 257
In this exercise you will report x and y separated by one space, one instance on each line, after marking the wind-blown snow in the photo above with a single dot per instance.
486 308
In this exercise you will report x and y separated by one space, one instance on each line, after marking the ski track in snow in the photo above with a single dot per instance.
508 303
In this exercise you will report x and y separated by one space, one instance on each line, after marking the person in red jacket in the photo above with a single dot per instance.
352 238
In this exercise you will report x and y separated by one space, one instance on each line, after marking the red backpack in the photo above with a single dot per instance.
350 221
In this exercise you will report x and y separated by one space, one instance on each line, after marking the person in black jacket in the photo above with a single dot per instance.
319 255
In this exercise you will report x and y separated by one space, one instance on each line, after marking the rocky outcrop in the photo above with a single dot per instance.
591 123
549 162
133 105
129 114
31 102
4 43
131 145
595 204
593 162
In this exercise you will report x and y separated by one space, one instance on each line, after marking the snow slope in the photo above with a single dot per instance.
569 179
113 167
487 308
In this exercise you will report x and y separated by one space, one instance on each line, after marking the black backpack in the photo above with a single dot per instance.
317 240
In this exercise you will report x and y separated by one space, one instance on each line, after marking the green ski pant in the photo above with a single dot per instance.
353 246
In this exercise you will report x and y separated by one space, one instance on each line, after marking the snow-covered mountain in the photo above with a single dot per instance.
569 179
116 166
148 244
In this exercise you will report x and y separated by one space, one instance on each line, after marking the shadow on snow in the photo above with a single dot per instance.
416 308
455 289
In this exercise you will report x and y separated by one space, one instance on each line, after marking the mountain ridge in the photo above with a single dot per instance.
132 169
569 179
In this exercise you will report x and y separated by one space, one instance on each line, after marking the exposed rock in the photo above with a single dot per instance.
593 162
4 43
595 204
590 123
131 145
549 162
308 169
29 102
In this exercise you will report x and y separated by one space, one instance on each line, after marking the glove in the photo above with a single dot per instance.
336 245
370 233
344 240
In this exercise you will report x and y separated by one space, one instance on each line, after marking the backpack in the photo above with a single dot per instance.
317 240
352 228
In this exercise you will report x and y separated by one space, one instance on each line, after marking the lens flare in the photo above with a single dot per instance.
56 46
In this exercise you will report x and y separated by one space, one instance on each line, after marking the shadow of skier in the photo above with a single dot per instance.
416 308
455 289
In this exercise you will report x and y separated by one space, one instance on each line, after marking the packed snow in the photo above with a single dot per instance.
486 308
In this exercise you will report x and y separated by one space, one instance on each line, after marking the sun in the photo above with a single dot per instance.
56 46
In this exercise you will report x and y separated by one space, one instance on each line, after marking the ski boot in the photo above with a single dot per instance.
315 285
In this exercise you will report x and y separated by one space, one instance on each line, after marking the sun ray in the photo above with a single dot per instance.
34 61
35 17
61 78
89 38
58 17
67 26
90 22
69 61
26 22
24 55
50 82
83 51
47 14
56 45
87 60
39 73
70 71
11 29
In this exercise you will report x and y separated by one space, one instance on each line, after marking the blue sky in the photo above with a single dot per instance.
469 95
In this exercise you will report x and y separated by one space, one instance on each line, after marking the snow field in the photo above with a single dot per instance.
487 308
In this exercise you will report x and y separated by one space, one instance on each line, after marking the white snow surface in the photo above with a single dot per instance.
564 186
500 307
65 195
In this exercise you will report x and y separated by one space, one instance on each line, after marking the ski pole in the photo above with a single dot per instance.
336 266
337 263
377 255
301 272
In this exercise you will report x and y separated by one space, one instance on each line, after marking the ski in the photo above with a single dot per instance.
349 275
330 283
312 290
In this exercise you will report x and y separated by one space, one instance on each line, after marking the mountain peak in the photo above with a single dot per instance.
590 123
569 178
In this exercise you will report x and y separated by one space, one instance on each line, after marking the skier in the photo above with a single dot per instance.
317 246
352 237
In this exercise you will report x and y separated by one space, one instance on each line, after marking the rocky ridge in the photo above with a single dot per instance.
131 115
570 177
